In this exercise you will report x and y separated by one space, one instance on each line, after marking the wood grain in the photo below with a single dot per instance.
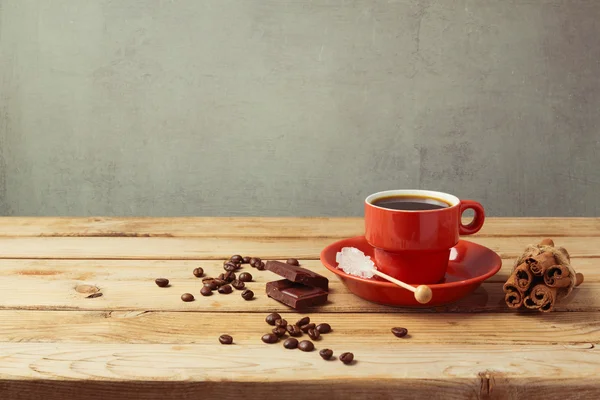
81 270
355 329
140 341
219 248
272 365
267 227
129 285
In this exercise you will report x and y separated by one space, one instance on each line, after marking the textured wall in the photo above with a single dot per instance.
281 107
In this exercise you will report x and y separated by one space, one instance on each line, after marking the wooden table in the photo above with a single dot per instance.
141 341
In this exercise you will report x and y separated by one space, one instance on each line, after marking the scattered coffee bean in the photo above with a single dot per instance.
294 330
253 261
198 272
187 297
323 328
261 266
225 289
247 294
290 343
303 321
220 282
245 277
225 339
293 261
271 318
208 279
279 331
314 334
246 260
305 328
229 276
270 338
399 332
212 285
237 259
205 291
221 277
306 345
346 358
326 354
162 282
237 284
281 322
230 266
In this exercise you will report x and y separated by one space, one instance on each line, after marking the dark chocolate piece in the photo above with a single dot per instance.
296 295
298 274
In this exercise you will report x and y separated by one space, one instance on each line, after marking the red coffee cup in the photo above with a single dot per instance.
414 245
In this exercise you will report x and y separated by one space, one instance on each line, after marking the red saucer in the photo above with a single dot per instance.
470 264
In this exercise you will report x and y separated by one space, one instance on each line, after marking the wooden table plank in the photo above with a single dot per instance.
508 367
129 285
349 330
220 248
147 270
266 227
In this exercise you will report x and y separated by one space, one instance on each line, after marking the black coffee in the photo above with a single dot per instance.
413 203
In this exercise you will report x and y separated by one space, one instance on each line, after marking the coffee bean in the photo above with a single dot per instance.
346 358
261 266
239 285
245 277
162 282
305 328
225 289
198 272
314 334
246 260
326 354
271 318
270 338
253 260
205 291
229 276
247 294
293 261
281 322
220 282
221 276
208 279
399 332
290 343
294 330
237 259
323 328
211 285
187 297
306 345
230 266
279 331
225 339
303 321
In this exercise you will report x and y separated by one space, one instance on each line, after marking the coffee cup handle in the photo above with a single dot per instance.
477 222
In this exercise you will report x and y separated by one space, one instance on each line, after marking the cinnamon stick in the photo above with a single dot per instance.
514 295
524 277
540 263
557 276
541 297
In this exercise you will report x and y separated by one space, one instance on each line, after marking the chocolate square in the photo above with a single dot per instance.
296 295
298 274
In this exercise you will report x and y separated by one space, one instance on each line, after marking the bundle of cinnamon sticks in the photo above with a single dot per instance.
541 276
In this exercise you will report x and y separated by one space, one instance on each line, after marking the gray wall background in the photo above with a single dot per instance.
281 107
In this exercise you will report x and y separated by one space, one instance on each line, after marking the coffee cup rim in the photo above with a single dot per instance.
451 199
